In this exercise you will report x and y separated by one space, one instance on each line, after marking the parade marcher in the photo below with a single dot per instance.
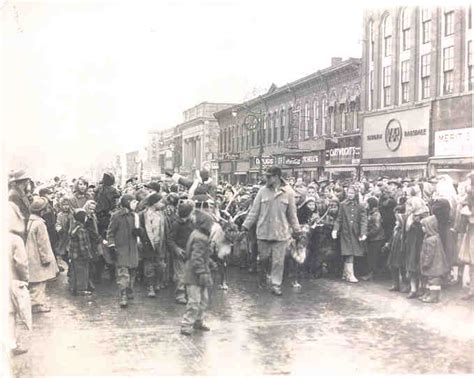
19 305
274 212
375 238
180 231
351 225
433 263
122 242
197 274
41 262
80 253
19 182
80 195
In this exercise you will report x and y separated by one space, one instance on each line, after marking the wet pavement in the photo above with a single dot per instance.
330 327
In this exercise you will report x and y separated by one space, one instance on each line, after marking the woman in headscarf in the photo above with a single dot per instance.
433 264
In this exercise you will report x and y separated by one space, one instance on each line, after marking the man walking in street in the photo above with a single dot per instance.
274 212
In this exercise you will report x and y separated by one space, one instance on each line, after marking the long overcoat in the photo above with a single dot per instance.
119 234
351 224
39 251
466 230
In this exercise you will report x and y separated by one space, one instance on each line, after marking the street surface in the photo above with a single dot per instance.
331 327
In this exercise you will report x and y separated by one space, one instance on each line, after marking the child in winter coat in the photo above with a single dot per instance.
433 263
375 237
197 273
80 254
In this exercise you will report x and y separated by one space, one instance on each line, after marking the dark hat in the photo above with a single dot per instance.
38 204
273 171
130 180
18 176
185 208
153 185
80 215
108 179
91 186
44 191
153 198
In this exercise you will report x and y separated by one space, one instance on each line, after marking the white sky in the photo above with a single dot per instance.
84 80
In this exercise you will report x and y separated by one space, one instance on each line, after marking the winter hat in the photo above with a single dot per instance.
126 200
153 198
307 200
45 191
185 208
80 215
38 204
372 202
108 179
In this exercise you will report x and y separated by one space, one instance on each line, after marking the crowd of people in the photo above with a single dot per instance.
186 231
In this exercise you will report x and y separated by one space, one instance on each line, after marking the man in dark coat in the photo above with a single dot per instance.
351 223
18 193
387 204
49 217
106 199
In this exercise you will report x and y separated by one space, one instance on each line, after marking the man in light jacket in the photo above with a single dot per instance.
274 212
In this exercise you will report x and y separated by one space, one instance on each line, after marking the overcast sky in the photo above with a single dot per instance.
84 80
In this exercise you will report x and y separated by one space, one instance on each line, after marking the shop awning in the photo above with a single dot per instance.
239 173
340 169
394 167
451 160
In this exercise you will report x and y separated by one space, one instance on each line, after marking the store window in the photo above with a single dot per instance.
448 70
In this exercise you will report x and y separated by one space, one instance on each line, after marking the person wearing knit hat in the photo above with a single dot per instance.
178 239
41 262
122 234
80 253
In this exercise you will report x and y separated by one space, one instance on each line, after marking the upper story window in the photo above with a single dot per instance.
405 29
372 40
282 124
387 35
405 81
469 17
425 75
470 76
387 82
426 25
448 23
448 70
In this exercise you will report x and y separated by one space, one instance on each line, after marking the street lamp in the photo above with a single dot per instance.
254 121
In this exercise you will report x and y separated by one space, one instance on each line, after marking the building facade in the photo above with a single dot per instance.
309 128
417 91
198 136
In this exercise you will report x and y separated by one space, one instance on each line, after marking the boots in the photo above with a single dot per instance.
348 274
433 297
151 292
395 281
123 298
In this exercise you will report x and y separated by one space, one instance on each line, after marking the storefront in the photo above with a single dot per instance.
311 166
396 144
267 161
241 172
342 159
453 153
215 171
225 170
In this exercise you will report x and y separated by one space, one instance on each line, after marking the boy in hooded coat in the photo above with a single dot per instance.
197 273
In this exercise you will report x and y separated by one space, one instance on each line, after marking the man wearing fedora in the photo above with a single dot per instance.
274 212
18 183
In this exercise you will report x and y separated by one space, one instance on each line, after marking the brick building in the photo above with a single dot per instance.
309 127
417 82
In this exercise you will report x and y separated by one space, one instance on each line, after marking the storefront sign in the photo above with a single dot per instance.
214 165
457 142
343 156
397 135
226 167
267 161
242 166
230 156
292 160
311 159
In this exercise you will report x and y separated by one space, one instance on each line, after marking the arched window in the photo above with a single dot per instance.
315 117
371 41
282 124
406 23
306 121
275 127
269 128
387 35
